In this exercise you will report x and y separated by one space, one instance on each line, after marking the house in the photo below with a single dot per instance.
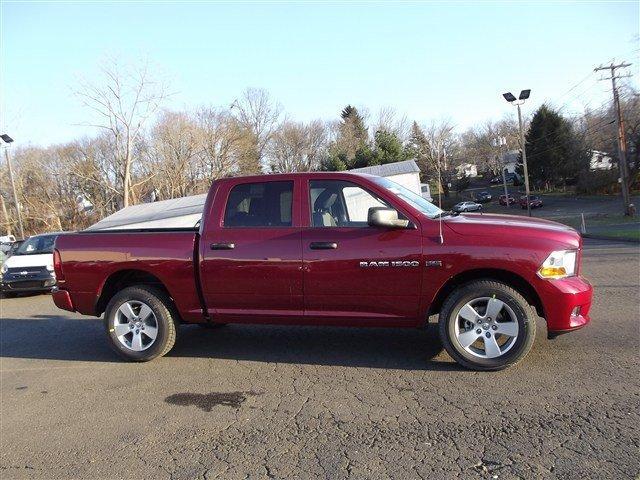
405 173
467 170
510 161
600 161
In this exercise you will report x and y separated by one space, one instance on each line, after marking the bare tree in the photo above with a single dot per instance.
259 116
170 155
482 145
389 121
123 102
222 143
442 152
297 147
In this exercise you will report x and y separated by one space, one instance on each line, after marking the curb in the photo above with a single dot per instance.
605 237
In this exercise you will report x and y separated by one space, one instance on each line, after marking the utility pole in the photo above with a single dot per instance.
15 195
622 142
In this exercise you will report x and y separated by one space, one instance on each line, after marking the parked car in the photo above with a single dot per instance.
514 179
30 267
329 248
534 201
6 241
14 247
483 197
467 207
507 200
426 192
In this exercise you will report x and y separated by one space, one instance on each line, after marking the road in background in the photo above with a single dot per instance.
284 402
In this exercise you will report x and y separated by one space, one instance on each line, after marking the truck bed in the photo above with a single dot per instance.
95 260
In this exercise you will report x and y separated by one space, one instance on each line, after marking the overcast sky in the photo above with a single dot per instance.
427 60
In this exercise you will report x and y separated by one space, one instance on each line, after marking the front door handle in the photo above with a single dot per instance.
323 245
223 246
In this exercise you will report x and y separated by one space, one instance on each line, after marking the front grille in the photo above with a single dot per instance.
29 270
26 285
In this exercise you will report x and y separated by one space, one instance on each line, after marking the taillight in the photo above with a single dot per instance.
57 266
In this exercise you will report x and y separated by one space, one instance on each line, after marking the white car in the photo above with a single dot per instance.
467 207
30 268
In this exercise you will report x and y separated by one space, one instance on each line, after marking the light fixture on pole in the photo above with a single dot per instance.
8 140
510 97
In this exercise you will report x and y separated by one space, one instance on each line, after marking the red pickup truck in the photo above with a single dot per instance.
339 249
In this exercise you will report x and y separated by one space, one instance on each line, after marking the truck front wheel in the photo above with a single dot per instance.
141 323
487 325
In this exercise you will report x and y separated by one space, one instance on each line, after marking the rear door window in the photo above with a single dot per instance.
260 204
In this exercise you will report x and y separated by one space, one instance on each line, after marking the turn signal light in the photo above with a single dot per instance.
553 272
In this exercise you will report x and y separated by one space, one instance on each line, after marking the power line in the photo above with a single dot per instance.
591 129
622 144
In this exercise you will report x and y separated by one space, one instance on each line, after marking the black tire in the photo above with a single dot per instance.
525 316
165 315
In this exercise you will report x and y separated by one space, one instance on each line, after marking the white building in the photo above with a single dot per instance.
182 212
600 161
467 170
405 173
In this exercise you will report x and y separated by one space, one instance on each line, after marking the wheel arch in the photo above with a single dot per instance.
121 279
505 276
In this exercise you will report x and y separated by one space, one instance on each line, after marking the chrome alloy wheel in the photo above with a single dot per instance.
486 327
135 325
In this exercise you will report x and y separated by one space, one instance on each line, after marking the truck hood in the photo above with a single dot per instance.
508 226
39 260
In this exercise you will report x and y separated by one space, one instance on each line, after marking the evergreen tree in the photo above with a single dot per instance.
388 148
418 148
555 153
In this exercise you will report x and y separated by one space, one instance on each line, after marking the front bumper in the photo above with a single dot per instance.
27 283
566 303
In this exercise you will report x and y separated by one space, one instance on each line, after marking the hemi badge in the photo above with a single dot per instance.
433 263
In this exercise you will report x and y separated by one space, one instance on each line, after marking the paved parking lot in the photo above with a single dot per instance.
274 402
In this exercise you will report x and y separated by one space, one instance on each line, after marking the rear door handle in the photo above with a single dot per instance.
323 245
223 246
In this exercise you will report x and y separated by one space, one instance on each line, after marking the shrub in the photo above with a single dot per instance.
598 182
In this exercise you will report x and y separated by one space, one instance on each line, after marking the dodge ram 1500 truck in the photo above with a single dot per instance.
339 249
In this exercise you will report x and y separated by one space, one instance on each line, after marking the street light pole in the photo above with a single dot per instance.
504 177
7 139
524 161
509 97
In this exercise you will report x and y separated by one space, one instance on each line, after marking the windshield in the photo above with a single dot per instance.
415 200
37 245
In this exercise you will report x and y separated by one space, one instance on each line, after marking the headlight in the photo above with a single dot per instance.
50 268
559 264
3 269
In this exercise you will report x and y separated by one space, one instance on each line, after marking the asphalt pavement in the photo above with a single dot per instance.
301 402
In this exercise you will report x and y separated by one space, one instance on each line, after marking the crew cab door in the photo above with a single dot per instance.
354 273
251 253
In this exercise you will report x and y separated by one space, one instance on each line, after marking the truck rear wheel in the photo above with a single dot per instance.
141 323
487 325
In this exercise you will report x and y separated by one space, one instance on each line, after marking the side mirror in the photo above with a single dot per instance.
385 217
